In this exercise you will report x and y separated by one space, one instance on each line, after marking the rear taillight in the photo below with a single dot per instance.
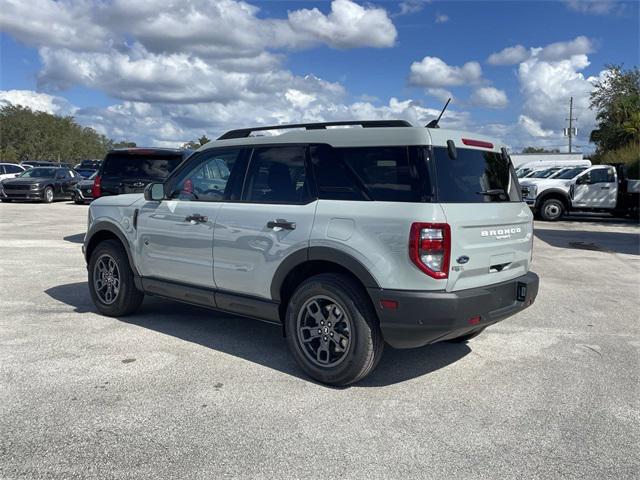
430 248
96 189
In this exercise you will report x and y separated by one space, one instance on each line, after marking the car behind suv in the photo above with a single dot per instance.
129 170
349 238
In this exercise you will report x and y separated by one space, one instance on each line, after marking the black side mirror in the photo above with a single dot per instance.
154 192
583 180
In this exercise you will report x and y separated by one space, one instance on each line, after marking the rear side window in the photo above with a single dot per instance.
387 174
277 175
475 176
12 169
155 167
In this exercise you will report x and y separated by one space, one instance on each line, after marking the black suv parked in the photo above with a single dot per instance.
130 170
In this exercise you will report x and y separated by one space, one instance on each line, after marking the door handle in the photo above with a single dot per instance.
605 188
196 218
281 223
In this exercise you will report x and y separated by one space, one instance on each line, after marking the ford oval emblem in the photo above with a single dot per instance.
463 259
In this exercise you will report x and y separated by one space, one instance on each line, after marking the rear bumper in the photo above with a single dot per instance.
80 195
427 317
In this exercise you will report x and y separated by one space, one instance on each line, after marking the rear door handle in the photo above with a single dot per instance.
605 188
196 218
281 223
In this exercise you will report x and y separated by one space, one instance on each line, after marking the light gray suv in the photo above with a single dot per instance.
349 238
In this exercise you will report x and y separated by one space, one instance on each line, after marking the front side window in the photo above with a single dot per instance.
277 175
206 177
601 175
475 176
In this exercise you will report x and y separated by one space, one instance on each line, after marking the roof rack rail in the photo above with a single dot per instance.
245 132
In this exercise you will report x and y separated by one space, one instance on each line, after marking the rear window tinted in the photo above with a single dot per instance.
475 176
277 175
389 174
140 166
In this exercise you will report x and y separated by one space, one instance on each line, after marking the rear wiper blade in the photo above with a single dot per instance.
494 192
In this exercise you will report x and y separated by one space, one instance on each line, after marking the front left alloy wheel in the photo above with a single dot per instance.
111 281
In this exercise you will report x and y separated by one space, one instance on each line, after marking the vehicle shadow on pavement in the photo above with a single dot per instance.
256 341
612 242
77 238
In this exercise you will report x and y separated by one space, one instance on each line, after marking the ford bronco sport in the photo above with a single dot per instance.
349 238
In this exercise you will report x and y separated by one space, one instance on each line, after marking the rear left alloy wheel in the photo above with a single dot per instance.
332 330
111 281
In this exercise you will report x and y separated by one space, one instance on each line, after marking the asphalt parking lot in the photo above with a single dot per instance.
181 392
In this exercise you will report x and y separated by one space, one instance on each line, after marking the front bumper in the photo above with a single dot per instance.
22 194
423 317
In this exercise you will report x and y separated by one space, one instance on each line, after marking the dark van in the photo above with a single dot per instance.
130 170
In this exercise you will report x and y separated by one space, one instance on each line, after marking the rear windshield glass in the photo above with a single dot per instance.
474 176
572 172
140 166
387 174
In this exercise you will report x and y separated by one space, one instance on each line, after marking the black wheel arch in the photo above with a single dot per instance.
554 193
319 256
104 230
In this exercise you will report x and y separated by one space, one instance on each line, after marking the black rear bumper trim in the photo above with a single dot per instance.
423 317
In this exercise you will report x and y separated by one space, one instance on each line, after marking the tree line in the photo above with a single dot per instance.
32 135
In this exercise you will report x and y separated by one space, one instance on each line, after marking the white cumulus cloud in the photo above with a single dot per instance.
37 101
489 97
433 72
509 56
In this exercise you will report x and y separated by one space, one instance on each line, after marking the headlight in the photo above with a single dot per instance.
35 186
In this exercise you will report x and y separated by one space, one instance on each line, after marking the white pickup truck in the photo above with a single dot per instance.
600 188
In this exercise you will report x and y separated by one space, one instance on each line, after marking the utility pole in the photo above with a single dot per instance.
570 130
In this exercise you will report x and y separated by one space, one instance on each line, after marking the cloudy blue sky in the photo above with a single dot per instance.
162 72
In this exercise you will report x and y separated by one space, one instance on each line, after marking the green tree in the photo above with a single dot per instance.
539 150
196 144
616 100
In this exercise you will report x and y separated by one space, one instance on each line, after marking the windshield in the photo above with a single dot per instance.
572 172
139 166
40 172
522 172
544 173
475 176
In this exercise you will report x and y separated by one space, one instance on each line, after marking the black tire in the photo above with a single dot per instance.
47 196
5 200
363 339
78 201
127 298
467 337
551 210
